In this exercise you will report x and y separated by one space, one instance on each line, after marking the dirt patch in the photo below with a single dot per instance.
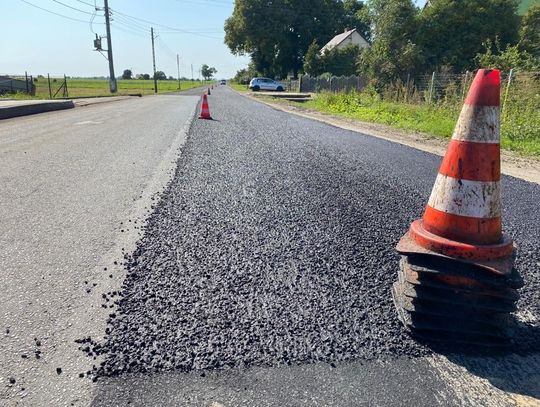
512 164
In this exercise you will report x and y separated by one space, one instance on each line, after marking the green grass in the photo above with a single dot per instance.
100 87
520 125
237 86
432 120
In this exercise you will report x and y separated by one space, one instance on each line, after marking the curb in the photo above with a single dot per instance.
34 108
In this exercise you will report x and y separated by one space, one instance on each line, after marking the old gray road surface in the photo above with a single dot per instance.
72 186
263 278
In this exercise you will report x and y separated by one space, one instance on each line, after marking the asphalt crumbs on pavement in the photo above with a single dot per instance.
274 244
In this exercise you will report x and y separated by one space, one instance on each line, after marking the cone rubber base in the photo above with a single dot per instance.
440 300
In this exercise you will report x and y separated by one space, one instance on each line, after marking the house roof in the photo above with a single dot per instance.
338 39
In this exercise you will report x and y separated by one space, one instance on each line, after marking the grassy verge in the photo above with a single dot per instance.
520 128
238 87
100 87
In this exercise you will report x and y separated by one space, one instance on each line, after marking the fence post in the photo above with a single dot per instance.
406 97
431 87
510 75
65 87
464 85
26 81
49 81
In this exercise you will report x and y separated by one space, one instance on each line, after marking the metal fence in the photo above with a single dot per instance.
440 87
331 84
14 85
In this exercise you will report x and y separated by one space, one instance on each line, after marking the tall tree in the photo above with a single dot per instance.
208 72
393 53
356 15
127 74
530 32
277 33
452 32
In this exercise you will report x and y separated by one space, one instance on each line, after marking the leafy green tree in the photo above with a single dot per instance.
505 59
276 34
208 72
356 15
160 76
341 61
127 74
312 62
530 32
337 61
393 53
452 32
243 76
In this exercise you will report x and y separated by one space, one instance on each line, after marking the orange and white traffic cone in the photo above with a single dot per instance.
456 278
205 109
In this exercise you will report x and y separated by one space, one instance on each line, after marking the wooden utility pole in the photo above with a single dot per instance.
178 67
112 80
154 58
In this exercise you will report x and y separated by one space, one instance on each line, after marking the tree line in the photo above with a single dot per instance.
207 73
284 37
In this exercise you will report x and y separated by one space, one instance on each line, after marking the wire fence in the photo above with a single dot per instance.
451 89
434 88
331 84
63 86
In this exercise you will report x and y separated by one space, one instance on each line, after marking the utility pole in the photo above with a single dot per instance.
192 74
154 58
112 80
178 67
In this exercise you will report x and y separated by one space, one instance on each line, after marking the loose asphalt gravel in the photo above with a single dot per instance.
274 244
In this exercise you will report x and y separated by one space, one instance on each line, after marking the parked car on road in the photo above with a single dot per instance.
223 82
257 84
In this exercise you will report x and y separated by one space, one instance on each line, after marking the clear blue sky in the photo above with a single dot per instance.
39 42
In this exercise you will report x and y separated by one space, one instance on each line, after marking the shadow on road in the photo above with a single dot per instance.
515 370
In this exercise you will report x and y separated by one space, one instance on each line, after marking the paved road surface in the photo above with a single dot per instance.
70 181
263 276
272 254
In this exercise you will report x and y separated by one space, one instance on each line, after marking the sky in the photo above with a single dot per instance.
39 42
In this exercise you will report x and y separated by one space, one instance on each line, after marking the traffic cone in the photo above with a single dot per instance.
209 93
205 110
456 278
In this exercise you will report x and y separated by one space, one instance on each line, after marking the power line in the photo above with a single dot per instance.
56 14
173 29
88 4
73 8
137 33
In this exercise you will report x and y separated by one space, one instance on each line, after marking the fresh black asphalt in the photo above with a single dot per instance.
274 244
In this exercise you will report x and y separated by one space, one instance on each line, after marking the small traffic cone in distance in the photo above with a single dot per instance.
205 109
209 93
